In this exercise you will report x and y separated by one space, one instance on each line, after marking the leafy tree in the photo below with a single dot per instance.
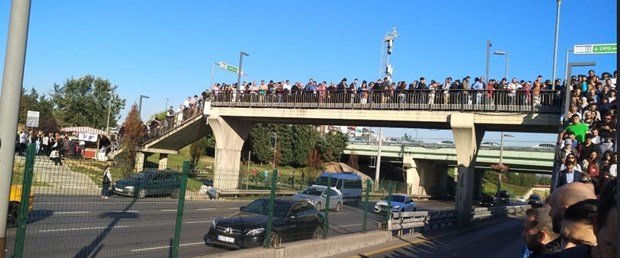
35 102
284 149
131 139
305 139
196 150
84 102
260 140
161 116
331 145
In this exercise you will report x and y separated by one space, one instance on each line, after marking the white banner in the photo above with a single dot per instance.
87 137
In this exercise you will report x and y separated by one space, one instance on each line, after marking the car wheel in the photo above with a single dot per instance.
318 206
13 214
338 206
414 208
175 193
274 240
141 193
318 233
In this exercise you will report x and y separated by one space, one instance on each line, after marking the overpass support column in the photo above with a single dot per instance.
442 179
230 134
467 140
413 171
140 159
163 161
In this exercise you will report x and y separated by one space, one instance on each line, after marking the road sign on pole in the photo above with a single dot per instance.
32 119
594 49
230 68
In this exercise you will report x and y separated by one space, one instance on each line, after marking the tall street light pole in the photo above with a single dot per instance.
568 89
555 41
488 59
12 81
140 105
107 125
241 54
501 160
503 53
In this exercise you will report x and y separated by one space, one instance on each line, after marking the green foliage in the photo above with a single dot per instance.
305 138
260 143
35 102
161 116
84 102
133 137
196 150
331 145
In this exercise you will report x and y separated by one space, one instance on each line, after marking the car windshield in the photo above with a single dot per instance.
261 206
396 198
312 191
534 197
323 181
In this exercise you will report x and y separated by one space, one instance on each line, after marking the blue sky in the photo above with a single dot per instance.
165 49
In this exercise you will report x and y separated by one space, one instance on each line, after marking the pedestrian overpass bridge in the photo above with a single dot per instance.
231 117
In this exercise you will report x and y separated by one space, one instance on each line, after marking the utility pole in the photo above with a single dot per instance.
107 125
488 60
241 54
378 163
555 41
12 81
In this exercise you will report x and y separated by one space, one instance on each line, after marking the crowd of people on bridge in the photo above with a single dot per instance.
422 91
579 218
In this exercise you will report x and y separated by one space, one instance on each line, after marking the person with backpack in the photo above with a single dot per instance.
105 183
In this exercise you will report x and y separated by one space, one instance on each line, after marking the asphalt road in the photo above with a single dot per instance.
494 239
83 226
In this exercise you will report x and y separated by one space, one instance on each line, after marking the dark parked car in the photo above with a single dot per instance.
149 182
503 197
488 201
292 220
535 201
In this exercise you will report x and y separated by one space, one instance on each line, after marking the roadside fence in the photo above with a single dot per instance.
63 207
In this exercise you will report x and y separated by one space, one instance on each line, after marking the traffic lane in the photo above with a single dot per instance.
500 240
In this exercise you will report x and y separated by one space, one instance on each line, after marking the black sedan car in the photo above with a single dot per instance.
292 220
535 201
149 182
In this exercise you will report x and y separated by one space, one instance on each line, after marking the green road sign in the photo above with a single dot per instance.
591 49
227 67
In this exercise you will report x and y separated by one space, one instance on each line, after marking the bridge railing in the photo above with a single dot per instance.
543 101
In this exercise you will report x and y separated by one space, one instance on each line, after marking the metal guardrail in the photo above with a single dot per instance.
432 220
543 101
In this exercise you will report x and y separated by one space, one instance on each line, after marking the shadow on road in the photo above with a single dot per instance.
38 215
93 248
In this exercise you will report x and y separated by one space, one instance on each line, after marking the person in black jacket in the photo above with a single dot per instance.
569 175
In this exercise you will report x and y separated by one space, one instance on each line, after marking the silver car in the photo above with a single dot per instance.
317 196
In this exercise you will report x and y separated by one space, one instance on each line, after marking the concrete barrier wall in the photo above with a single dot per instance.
315 248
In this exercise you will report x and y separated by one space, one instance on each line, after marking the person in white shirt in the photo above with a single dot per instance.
512 89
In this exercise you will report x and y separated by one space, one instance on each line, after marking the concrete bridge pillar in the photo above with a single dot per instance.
140 159
230 134
467 140
163 161
425 177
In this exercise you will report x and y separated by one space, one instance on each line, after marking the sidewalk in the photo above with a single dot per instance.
59 180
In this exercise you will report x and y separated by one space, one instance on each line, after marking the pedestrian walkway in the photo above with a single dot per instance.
59 180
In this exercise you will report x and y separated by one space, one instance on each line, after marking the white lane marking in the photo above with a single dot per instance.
164 247
76 229
233 208
206 209
127 211
166 210
70 212
351 225
198 221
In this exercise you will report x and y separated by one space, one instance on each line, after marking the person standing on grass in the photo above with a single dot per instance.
105 183
292 179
